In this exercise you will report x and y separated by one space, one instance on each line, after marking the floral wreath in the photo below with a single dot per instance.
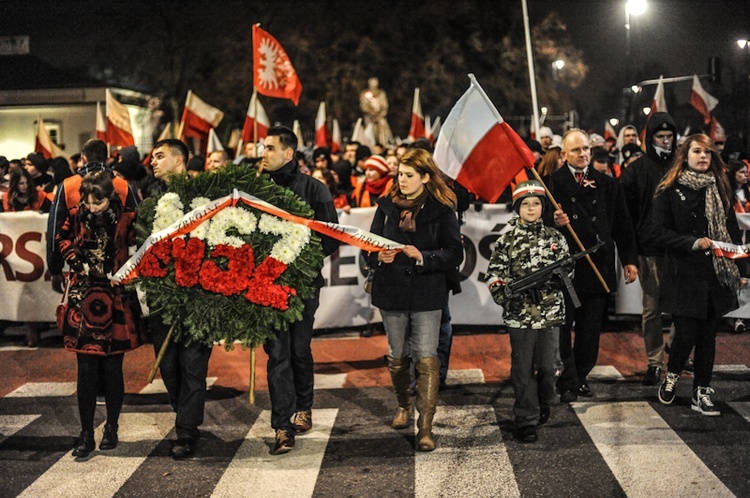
238 276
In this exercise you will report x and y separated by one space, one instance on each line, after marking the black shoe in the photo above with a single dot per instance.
544 413
284 442
183 448
109 439
526 434
689 366
585 391
85 445
652 377
568 396
739 326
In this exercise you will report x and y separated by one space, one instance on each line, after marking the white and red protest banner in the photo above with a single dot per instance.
119 129
273 73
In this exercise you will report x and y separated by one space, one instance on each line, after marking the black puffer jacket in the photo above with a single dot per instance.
402 285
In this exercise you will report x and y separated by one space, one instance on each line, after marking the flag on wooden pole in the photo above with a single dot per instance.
273 73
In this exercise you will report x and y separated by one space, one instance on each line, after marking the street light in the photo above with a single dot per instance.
742 43
634 8
614 122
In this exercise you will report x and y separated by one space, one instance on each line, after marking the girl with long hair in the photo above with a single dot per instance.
409 284
693 207
22 195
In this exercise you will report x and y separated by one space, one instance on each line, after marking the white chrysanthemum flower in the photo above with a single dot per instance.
236 218
201 231
168 210
199 202
293 239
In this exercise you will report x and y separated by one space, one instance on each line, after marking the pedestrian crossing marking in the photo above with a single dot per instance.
741 407
103 474
44 390
731 368
330 381
158 387
10 424
255 472
466 376
605 373
470 458
636 442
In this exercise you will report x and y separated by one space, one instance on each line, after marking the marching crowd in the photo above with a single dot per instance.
658 205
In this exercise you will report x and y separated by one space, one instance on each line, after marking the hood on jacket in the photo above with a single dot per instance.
659 121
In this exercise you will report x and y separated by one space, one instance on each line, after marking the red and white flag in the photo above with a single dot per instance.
101 124
198 118
214 143
417 128
701 100
428 129
255 114
297 129
659 104
717 132
119 130
435 129
322 136
336 136
273 73
362 135
44 144
477 148
609 131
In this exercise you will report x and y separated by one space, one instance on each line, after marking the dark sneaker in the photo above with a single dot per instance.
667 388
303 421
284 442
526 434
652 377
183 448
585 391
702 402
544 413
739 326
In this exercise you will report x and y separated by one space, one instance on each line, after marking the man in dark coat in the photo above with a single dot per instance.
639 182
594 206
290 361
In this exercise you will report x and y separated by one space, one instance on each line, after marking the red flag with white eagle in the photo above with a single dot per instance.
273 73
479 149
702 101
336 136
44 144
101 124
255 114
119 130
322 136
417 129
198 118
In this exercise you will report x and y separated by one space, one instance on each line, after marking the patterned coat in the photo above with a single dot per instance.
518 252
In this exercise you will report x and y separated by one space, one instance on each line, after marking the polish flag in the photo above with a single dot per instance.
273 73
119 130
297 129
44 144
701 100
101 124
609 131
361 135
214 143
255 114
435 129
417 119
717 132
198 118
659 104
321 131
477 148
336 136
428 129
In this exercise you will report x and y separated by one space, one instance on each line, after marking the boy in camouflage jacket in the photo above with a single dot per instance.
532 317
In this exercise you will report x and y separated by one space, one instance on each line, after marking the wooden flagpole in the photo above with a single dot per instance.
160 356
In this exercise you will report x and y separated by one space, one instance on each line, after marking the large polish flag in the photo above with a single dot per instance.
119 130
255 114
198 117
479 149
321 131
44 144
335 136
417 129
101 124
701 100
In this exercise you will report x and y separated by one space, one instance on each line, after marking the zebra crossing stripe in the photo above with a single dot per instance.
10 424
255 472
741 407
44 390
635 442
465 376
158 387
605 373
102 474
470 458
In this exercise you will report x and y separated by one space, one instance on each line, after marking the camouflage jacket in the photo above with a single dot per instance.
518 252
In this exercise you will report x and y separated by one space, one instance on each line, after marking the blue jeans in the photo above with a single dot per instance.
445 342
415 332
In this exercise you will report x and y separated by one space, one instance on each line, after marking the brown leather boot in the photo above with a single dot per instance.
401 378
428 383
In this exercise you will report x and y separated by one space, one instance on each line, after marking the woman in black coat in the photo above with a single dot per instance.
409 284
693 207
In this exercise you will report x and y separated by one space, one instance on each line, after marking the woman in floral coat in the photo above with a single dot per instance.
100 321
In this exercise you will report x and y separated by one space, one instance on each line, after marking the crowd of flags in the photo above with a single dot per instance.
474 145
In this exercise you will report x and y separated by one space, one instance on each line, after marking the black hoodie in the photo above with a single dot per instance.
640 179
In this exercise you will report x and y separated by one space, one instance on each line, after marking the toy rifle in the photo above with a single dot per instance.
559 269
